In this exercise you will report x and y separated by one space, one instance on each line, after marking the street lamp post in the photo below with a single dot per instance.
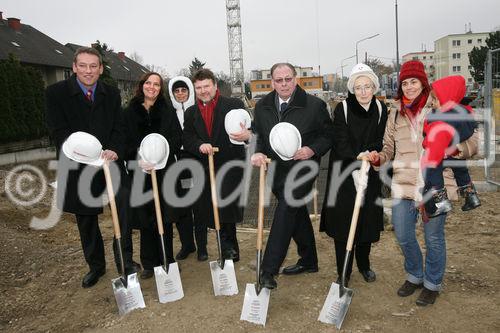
397 40
359 41
342 65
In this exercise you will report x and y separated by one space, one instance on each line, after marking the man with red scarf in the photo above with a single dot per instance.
203 130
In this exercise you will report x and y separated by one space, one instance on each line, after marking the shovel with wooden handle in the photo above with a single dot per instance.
215 205
222 271
339 297
256 301
159 219
260 222
167 276
126 288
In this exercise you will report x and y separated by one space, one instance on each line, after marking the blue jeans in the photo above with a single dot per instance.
404 218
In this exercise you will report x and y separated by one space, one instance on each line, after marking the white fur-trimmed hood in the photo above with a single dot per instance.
190 101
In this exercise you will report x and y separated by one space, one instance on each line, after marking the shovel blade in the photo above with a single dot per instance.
130 297
255 305
224 280
335 307
168 284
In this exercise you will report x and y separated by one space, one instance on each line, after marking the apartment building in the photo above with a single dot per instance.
451 54
427 58
260 82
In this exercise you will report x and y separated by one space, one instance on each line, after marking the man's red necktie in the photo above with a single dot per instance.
88 96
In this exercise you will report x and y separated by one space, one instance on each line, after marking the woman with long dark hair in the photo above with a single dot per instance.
148 112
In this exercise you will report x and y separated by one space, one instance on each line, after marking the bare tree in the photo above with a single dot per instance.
158 69
136 57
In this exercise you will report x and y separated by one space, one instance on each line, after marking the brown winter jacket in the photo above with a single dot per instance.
407 140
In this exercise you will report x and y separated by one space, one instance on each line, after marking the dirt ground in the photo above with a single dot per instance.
41 271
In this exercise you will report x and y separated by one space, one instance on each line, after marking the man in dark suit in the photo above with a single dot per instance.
290 103
83 103
203 130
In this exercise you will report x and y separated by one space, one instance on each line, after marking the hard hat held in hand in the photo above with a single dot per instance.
233 120
83 147
155 149
285 140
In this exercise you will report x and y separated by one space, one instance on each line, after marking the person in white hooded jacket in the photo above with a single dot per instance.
182 95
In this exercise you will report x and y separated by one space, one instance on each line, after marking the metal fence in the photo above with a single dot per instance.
492 114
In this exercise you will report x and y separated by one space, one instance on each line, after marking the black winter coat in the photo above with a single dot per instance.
160 119
68 111
194 135
363 131
306 112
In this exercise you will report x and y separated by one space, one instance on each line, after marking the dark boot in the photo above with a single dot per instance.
438 204
470 194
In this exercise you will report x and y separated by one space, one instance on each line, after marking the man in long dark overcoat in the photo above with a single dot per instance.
84 103
289 103
203 130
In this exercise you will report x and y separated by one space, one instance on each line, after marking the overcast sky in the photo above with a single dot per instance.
306 33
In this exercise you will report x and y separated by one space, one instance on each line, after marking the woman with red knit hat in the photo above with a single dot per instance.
403 144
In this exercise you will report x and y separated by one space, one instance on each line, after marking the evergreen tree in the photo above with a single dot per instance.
196 65
104 49
22 108
477 57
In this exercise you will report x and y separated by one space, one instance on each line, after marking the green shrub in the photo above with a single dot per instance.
22 105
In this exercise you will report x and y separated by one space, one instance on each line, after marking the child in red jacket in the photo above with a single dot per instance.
448 124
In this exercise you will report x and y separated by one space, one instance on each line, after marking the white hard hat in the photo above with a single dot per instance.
83 147
155 149
233 120
285 140
362 70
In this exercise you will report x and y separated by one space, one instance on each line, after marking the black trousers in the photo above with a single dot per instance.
361 252
228 237
289 222
434 176
91 238
185 227
151 250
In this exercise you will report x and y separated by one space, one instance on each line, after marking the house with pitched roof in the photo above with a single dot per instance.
34 48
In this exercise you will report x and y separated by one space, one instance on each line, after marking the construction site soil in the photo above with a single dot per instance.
41 272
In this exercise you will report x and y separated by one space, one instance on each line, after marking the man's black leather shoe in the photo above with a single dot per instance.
134 268
202 255
184 253
369 275
147 274
339 281
267 281
92 277
297 269
231 254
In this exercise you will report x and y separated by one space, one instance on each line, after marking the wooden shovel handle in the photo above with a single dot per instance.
365 165
213 188
112 202
156 196
260 212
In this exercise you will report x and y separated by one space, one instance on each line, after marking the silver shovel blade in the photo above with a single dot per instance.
169 284
130 297
224 280
335 308
255 305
